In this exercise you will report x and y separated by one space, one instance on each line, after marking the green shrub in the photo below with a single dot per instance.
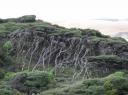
32 82
10 20
91 32
27 18
1 20
6 92
2 57
116 84
112 92
5 59
108 61
92 87
105 58
7 46
2 73
92 82
6 89
108 40
116 75
9 75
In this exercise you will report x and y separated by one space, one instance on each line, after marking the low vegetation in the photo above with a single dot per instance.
114 84
101 62
31 82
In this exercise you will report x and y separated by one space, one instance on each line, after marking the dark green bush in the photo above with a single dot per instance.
32 82
116 84
103 65
27 18
10 20
7 46
91 32
109 61
108 58
2 73
2 57
5 60
9 75
92 87
6 89
1 21
108 40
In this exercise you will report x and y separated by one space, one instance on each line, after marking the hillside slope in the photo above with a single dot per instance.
36 56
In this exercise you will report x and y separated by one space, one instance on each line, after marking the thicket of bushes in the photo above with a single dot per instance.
38 81
6 89
32 82
26 82
114 84
23 19
13 83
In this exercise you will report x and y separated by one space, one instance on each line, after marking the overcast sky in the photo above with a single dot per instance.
72 13
62 10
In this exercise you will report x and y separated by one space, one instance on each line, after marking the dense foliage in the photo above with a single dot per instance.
114 84
32 82
105 55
